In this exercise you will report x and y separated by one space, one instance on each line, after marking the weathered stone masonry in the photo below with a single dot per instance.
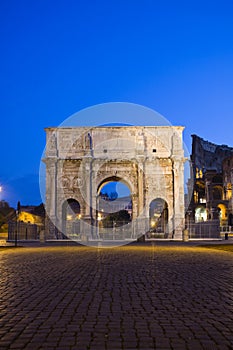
149 160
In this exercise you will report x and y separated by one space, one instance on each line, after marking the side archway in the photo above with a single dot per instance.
71 217
158 217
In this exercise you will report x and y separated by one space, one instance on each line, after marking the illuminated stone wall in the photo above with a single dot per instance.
228 184
207 155
212 181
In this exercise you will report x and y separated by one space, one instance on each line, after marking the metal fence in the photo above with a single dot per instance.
226 229
204 230
116 231
23 231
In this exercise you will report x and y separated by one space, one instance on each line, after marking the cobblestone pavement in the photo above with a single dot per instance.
132 297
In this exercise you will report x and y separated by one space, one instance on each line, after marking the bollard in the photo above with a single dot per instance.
42 236
226 236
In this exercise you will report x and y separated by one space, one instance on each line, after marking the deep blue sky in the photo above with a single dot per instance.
58 57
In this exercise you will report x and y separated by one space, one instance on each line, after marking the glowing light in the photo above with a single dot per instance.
200 214
69 217
152 223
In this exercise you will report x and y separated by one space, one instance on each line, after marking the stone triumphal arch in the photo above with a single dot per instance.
80 160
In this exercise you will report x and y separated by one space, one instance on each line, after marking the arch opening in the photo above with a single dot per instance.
158 218
114 208
121 186
71 218
200 214
222 210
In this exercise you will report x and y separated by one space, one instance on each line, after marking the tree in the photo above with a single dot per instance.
117 219
104 195
6 214
113 196
18 207
39 210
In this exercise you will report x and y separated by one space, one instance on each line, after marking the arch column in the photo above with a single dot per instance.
87 211
51 198
141 222
178 198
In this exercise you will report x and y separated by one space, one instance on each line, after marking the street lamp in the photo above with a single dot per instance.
18 210
16 227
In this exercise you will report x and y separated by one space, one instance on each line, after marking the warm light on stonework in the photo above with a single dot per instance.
152 223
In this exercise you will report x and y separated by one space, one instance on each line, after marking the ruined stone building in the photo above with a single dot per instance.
212 178
227 185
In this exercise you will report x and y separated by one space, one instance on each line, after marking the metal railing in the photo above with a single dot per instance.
226 229
116 231
204 230
18 230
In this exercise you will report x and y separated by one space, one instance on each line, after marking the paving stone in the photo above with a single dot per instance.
132 297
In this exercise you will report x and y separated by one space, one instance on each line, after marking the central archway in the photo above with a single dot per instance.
114 209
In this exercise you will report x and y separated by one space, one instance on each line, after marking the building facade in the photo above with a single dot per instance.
227 186
212 177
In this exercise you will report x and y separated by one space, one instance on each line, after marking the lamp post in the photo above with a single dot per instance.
16 228
17 223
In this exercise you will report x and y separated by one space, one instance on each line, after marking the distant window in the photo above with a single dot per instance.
195 195
202 200
154 150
